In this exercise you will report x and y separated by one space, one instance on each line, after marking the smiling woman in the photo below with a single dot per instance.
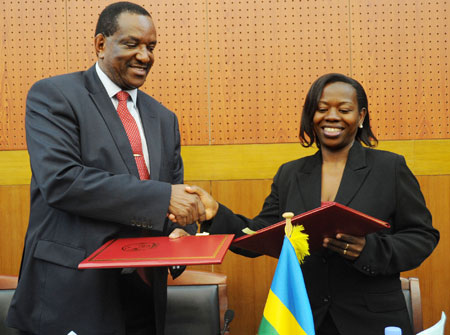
335 114
351 278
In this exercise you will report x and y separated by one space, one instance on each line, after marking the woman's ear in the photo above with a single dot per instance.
362 115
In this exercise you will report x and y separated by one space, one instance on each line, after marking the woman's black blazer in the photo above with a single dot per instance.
362 296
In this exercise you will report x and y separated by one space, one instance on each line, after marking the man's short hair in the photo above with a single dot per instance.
107 21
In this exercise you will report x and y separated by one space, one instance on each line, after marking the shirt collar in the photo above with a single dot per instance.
111 88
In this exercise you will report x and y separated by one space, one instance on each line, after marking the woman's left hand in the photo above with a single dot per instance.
348 246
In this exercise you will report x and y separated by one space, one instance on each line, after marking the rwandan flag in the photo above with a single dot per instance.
287 310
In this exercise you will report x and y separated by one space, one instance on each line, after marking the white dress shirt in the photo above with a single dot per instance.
112 89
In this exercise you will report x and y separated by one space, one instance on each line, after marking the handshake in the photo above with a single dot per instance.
189 204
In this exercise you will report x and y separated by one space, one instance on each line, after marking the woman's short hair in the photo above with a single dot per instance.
307 135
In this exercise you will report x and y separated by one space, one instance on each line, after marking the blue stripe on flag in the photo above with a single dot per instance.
289 286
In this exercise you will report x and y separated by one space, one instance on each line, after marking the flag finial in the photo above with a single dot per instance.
288 228
297 237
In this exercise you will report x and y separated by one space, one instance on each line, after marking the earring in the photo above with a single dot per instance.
361 125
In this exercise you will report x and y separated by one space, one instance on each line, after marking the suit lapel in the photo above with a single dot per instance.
309 178
355 172
152 132
309 181
106 108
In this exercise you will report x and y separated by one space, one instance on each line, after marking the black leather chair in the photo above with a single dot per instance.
196 303
7 286
411 291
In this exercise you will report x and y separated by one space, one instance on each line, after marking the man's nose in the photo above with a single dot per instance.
144 55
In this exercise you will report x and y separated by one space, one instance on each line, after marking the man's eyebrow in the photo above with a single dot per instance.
135 39
130 37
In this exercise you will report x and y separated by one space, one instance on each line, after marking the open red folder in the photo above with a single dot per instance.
327 220
159 251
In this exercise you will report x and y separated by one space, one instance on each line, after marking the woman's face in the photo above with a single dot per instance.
337 118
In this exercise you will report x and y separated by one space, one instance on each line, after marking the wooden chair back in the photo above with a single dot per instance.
411 291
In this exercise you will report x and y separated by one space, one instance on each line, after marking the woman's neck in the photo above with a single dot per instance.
335 156
333 166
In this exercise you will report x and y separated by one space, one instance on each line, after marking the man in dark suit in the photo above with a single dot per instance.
106 163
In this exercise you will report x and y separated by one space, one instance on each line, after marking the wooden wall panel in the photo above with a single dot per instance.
263 57
33 46
82 18
400 54
248 279
179 77
237 71
14 211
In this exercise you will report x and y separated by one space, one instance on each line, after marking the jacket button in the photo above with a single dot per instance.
326 299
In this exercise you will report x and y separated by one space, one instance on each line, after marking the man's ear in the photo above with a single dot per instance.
100 43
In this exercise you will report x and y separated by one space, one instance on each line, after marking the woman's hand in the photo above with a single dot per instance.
211 206
349 246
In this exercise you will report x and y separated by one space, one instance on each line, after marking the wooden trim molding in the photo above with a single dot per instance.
261 161
254 161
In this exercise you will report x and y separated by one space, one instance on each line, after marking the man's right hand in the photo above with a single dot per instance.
185 207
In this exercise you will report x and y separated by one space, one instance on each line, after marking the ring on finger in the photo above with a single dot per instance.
345 252
346 246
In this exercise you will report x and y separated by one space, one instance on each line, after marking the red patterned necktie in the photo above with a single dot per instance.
129 123
132 131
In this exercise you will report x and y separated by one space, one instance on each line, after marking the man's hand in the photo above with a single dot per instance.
184 207
178 232
211 205
348 246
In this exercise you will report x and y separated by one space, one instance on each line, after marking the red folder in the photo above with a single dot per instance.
328 220
159 251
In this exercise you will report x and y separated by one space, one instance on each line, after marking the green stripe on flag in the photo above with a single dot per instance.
280 317
265 328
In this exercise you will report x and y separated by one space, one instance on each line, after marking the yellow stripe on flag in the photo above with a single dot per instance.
280 317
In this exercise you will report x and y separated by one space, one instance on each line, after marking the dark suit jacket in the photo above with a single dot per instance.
85 190
363 296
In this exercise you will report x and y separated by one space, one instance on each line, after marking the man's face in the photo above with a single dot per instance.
127 56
